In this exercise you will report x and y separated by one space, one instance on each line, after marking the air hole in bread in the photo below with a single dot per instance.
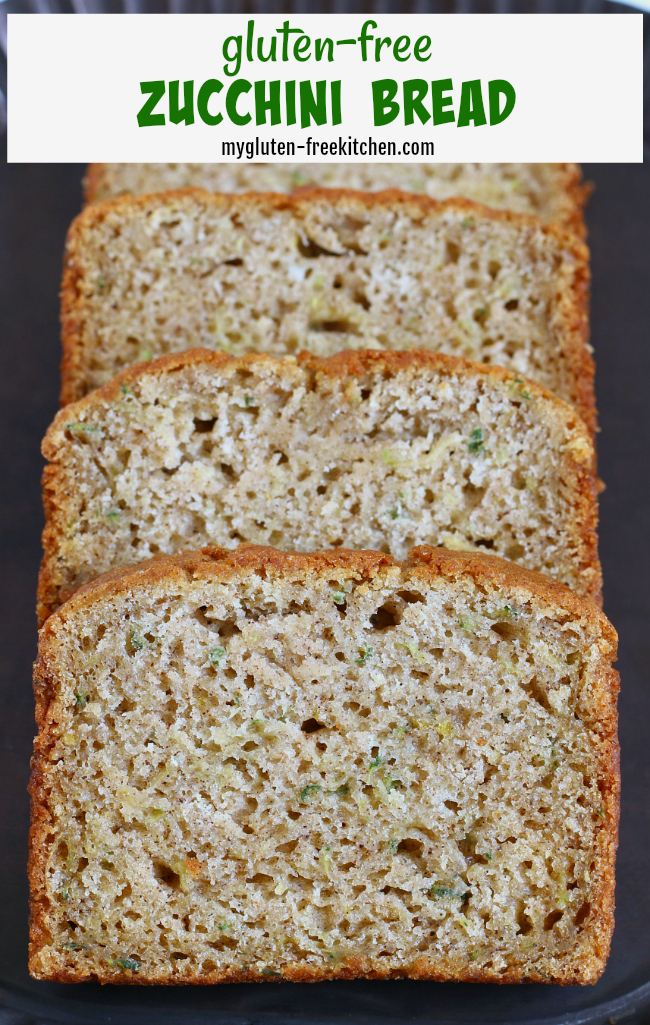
506 630
344 327
552 919
583 913
312 725
452 252
165 874
411 597
410 846
361 299
204 426
312 251
385 617
514 552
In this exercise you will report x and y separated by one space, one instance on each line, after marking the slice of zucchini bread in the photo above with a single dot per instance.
255 766
554 192
363 450
323 271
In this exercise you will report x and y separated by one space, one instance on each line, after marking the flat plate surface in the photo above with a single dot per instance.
37 203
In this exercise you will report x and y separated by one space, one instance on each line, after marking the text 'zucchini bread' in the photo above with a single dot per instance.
362 450
258 766
323 271
553 192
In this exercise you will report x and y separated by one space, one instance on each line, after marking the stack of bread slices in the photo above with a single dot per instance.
324 689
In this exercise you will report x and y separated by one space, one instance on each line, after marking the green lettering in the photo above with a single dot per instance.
401 45
321 45
290 100
301 44
235 89
415 90
232 58
146 116
212 85
186 112
336 102
272 104
421 47
385 109
471 104
272 49
496 88
439 101
285 32
310 107
379 44
364 38
250 32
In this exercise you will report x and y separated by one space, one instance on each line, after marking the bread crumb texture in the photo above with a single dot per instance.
553 192
256 766
323 271
363 450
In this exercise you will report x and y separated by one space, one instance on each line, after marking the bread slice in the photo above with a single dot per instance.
254 766
323 271
367 450
554 192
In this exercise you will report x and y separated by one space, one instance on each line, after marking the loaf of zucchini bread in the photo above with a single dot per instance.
364 449
323 271
554 192
256 766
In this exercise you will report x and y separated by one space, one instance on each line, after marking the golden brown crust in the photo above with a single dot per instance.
572 310
347 363
355 363
93 182
426 564
570 186
358 362
351 968
576 193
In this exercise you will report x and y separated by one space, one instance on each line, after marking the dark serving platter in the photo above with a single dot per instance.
37 203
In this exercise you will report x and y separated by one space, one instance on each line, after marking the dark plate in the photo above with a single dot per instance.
37 203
